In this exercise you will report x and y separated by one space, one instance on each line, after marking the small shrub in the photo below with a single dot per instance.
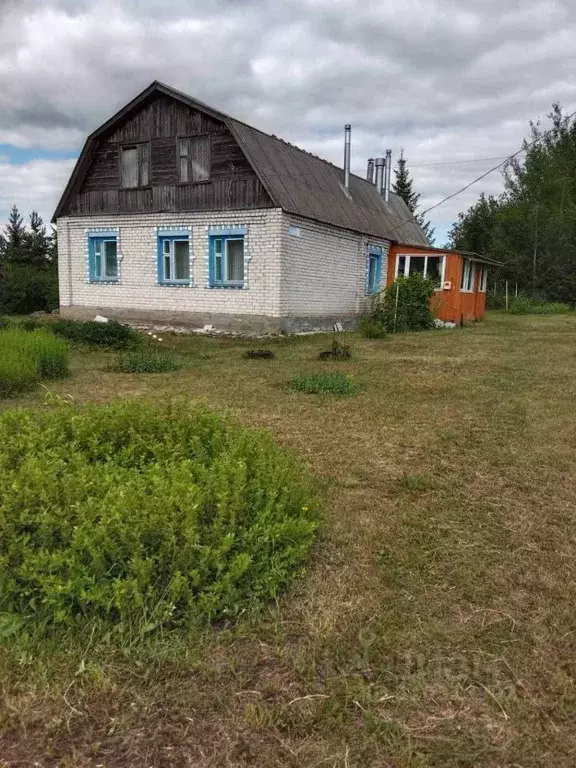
524 305
111 334
372 328
144 361
27 356
326 383
140 516
338 351
259 354
30 324
402 306
5 323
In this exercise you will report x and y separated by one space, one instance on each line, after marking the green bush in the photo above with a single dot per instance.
111 334
372 328
327 383
524 305
140 516
145 361
402 306
26 288
27 356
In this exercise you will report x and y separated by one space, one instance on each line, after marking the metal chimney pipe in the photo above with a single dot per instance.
380 174
347 132
370 170
388 175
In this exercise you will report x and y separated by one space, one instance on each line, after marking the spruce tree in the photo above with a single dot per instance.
402 186
14 240
38 242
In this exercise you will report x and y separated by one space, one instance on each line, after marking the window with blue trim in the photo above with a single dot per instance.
103 257
174 259
227 261
374 275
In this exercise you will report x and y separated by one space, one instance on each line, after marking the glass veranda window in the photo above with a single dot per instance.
431 267
467 283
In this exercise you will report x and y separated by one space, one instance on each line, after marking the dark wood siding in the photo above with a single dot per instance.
232 184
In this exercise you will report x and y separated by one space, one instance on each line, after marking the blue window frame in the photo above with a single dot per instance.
374 270
174 259
227 258
103 257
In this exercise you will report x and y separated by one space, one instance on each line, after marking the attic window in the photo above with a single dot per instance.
194 161
134 165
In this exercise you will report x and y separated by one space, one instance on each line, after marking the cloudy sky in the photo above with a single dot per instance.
453 82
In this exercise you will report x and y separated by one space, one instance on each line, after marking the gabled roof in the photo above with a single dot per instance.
296 181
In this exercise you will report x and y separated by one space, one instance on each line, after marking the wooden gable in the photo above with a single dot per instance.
159 122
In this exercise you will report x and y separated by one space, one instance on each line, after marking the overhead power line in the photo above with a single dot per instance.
448 162
487 173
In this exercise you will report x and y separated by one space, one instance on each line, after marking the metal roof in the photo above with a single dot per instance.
306 185
297 181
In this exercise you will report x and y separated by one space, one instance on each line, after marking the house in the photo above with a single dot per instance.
178 214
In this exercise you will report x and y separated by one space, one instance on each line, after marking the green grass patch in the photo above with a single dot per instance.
147 361
111 334
141 516
334 383
26 357
524 305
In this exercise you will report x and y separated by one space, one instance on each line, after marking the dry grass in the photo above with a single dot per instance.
436 624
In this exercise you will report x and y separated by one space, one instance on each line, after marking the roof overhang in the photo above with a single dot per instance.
466 254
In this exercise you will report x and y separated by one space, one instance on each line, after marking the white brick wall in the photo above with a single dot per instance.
137 288
321 273
324 270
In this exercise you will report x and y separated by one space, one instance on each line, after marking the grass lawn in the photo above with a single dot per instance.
436 624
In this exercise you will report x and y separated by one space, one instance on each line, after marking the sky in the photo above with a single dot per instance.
452 82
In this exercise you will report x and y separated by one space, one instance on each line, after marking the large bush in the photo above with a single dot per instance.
28 356
111 334
142 516
402 306
25 288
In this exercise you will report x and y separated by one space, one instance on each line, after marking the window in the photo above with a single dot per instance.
482 277
194 162
103 257
431 267
174 259
227 261
467 283
135 165
374 275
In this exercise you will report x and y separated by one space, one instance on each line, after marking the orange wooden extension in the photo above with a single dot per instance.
462 295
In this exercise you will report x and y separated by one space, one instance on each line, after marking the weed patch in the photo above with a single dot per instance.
145 361
325 383
259 354
28 356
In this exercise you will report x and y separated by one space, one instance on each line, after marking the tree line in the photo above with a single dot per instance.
28 265
531 226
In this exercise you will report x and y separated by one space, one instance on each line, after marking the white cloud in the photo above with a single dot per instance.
36 185
445 79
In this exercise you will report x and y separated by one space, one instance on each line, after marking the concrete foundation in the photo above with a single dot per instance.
245 324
